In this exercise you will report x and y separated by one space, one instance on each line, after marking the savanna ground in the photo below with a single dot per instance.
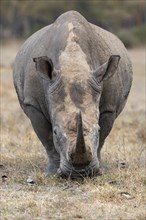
52 198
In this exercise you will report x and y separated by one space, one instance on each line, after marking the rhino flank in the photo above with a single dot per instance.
72 79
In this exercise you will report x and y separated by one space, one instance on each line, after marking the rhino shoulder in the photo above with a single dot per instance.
109 44
29 45
23 66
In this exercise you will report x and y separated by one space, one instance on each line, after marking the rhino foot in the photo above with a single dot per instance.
52 168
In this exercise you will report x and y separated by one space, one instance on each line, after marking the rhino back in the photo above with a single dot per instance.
116 88
28 84
50 41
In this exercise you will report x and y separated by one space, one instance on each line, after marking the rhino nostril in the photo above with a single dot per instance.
85 130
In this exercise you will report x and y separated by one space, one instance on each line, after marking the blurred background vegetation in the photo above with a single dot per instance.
125 18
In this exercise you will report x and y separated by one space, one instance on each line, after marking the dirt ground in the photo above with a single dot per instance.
119 194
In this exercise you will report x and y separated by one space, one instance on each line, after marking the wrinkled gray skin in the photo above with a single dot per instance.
72 79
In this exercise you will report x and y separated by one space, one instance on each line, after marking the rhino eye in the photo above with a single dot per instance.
55 131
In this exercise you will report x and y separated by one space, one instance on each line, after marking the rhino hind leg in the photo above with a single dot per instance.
43 129
106 122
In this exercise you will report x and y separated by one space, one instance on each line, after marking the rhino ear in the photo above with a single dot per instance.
107 70
44 67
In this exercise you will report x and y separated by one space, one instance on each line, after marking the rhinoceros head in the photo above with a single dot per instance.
73 95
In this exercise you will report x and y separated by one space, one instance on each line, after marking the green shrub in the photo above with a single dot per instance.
127 38
140 33
133 37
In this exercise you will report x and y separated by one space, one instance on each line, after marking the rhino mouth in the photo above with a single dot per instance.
79 162
69 171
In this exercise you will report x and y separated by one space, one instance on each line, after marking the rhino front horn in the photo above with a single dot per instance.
80 155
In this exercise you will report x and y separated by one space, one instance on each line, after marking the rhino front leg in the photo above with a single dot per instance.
43 129
106 122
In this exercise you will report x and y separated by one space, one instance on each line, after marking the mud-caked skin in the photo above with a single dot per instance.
72 79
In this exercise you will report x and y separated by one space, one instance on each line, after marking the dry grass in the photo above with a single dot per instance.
51 198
